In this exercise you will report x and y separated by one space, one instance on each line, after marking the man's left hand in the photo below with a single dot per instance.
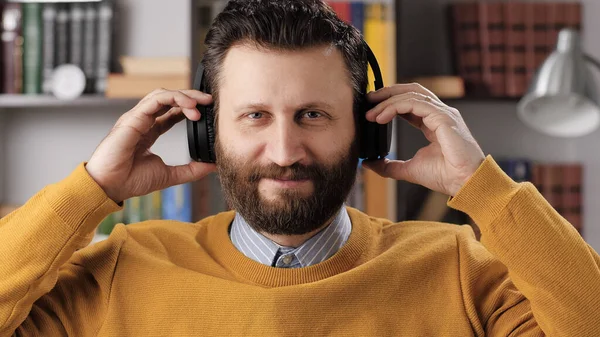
452 156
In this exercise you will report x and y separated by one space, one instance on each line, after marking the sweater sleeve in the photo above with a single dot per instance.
532 274
51 282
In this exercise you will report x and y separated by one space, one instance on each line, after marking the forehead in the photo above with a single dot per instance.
251 75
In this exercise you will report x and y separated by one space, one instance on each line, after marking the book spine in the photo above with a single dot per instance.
530 34
345 12
357 13
151 206
556 21
572 183
62 35
467 45
491 30
540 32
12 48
32 48
105 19
49 19
515 52
133 210
176 203
76 31
90 46
573 12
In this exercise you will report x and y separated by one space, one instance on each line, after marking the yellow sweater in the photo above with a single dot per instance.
531 275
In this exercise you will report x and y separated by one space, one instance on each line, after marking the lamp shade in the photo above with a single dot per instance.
562 99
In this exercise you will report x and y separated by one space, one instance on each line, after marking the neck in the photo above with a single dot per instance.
295 240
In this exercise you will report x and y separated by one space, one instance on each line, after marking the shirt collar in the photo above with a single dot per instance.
317 249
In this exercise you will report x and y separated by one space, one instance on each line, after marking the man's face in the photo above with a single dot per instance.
286 154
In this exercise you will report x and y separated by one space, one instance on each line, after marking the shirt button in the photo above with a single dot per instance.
287 259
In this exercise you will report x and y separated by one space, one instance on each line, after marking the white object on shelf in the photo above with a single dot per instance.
68 82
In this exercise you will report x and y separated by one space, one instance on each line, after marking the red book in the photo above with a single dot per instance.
573 12
491 32
572 182
540 35
466 45
12 48
344 12
514 56
556 20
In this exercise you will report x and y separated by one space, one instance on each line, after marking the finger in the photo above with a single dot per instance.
143 117
400 88
163 124
431 115
395 169
377 109
193 171
176 99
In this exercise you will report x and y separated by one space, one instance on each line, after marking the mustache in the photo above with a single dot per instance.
295 171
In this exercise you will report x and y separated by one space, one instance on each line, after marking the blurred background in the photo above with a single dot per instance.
70 69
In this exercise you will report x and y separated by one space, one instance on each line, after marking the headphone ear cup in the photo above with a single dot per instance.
204 135
211 133
363 129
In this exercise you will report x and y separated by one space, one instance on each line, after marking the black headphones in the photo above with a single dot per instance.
374 139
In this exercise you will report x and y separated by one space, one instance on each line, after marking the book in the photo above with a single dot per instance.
133 86
32 48
105 45
155 66
465 39
176 203
12 48
443 86
514 56
492 45
49 13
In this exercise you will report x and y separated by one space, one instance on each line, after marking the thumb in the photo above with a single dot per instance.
395 169
193 171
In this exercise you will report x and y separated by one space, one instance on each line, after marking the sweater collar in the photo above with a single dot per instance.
219 245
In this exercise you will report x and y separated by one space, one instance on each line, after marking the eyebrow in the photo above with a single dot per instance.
263 106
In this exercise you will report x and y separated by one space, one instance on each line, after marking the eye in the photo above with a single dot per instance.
255 115
312 114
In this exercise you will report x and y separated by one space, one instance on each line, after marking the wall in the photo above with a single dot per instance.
44 145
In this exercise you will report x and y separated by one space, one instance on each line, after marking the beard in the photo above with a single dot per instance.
292 212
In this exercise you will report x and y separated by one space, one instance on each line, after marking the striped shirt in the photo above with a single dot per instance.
318 248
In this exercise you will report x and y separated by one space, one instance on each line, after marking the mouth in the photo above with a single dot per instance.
287 183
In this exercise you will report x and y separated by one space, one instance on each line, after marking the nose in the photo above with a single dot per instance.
286 144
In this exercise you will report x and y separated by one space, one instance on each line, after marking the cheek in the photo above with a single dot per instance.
237 144
327 146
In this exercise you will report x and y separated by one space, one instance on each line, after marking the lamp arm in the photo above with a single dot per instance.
592 60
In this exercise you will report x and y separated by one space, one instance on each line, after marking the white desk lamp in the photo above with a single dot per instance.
562 99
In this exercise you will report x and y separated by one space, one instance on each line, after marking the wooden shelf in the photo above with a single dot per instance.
40 101
482 99
47 1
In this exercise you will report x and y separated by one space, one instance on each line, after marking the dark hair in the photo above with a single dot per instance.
284 25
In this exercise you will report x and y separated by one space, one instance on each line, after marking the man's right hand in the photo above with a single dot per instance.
124 166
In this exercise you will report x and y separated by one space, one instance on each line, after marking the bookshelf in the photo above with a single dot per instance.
16 101
52 1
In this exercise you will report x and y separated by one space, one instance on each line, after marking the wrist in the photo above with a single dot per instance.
99 181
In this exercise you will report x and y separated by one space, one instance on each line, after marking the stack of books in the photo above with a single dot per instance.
499 45
142 75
